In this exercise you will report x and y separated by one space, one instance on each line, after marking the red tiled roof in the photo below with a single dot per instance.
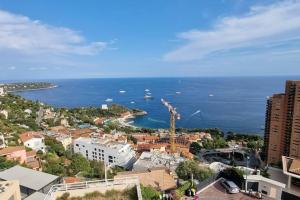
29 135
142 138
71 179
9 150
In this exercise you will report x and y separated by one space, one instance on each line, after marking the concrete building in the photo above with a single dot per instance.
104 107
10 190
30 181
17 153
154 159
282 127
291 168
111 152
265 186
33 140
2 91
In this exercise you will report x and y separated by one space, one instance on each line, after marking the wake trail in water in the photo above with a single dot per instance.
156 120
195 113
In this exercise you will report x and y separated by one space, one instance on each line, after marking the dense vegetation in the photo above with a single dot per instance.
149 193
12 87
24 115
62 163
5 164
187 168
212 131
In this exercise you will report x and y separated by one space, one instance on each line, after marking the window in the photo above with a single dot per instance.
264 192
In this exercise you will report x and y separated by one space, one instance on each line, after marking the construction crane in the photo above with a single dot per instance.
174 115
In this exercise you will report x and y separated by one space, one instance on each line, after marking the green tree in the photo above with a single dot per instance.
55 146
79 164
97 169
149 193
5 164
195 148
54 164
187 168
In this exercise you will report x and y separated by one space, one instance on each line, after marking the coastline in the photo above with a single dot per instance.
125 121
24 90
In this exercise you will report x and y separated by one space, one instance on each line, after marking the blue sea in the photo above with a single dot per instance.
231 103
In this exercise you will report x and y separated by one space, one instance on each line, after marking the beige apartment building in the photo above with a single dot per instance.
282 128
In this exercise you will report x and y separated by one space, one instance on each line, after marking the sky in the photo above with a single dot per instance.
132 38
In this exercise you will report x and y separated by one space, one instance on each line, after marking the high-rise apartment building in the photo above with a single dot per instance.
282 128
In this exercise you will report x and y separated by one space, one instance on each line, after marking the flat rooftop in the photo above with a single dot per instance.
108 143
216 192
27 177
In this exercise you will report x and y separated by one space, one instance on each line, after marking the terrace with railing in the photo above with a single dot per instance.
81 188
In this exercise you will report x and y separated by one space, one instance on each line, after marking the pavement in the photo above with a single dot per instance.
218 192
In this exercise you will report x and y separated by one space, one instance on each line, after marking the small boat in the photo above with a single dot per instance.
122 91
148 97
147 90
211 95
132 102
178 92
109 100
149 93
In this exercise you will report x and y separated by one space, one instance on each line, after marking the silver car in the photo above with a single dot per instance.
230 186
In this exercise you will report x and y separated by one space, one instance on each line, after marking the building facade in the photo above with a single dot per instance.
110 152
282 128
33 140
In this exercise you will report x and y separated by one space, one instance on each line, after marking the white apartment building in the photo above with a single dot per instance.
1 91
33 140
111 152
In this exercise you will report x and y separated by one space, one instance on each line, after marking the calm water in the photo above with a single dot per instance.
236 104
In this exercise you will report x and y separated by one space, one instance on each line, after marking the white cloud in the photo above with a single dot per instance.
37 68
261 26
12 68
29 36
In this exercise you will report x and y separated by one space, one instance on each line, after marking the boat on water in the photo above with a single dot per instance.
178 92
122 91
132 102
149 93
148 97
147 90
109 100
211 95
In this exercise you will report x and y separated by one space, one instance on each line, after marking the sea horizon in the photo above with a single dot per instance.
3 81
230 103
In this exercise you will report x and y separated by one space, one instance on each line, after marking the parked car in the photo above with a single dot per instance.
230 186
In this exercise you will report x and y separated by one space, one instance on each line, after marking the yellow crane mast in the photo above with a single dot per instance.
173 116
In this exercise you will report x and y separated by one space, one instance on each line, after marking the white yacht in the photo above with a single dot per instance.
109 100
148 97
